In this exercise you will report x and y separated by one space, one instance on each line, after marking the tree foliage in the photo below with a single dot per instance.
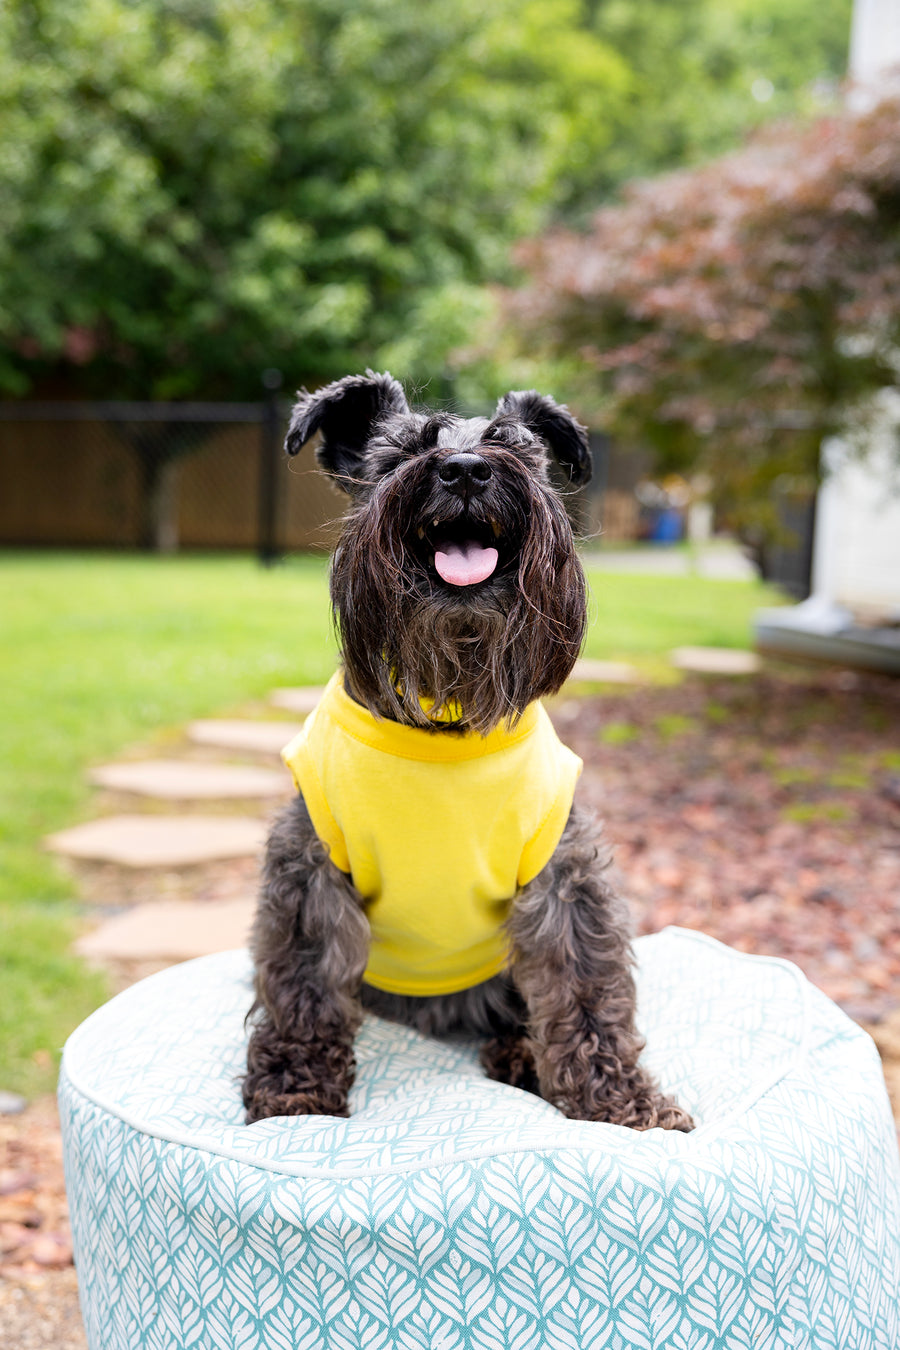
194 190
702 75
734 315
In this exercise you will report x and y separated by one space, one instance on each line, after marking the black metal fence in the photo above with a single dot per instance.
159 476
789 558
163 476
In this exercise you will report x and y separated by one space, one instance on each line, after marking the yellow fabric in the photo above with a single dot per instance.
436 831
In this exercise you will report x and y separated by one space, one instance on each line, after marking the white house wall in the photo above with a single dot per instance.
856 558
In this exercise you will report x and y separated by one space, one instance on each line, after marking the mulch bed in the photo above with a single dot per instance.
34 1230
764 811
38 1291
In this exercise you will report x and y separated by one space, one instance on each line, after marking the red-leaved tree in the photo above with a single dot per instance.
735 314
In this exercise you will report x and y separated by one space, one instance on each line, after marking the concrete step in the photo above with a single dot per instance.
180 780
301 700
161 841
263 738
588 671
170 931
715 660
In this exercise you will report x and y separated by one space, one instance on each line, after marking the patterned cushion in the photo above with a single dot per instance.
451 1212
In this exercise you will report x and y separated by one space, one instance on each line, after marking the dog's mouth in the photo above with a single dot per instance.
464 552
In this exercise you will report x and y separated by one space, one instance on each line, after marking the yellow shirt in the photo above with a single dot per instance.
436 830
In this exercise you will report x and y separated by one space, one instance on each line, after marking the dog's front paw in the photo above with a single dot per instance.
628 1097
646 1109
671 1116
293 1078
661 1114
265 1101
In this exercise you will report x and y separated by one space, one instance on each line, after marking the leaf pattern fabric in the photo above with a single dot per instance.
453 1213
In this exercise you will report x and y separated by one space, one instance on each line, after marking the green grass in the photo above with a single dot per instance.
672 725
98 652
716 713
618 733
793 777
101 651
45 993
808 813
641 618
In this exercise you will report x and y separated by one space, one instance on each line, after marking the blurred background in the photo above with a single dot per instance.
206 203
683 220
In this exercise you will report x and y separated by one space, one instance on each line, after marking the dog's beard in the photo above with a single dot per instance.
424 653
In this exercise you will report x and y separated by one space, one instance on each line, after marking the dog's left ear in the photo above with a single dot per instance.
557 428
345 412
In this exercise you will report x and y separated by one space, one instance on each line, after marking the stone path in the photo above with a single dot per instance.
174 856
296 700
160 841
182 780
604 672
170 931
263 738
715 660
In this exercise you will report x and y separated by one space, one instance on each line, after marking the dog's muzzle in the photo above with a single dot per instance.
461 559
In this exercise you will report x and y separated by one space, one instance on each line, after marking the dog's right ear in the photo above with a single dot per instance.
557 428
345 412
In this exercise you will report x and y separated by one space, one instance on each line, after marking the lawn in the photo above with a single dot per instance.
100 651
640 618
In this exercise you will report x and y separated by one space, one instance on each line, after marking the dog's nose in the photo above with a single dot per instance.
465 473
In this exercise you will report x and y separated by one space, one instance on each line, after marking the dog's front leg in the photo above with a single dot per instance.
572 963
310 944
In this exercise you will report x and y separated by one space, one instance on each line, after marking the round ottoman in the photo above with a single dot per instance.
451 1212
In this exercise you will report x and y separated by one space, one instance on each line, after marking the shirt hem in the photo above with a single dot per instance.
427 988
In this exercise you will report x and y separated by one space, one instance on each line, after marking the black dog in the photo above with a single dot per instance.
433 869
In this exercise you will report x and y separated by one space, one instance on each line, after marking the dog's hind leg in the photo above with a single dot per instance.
572 964
310 943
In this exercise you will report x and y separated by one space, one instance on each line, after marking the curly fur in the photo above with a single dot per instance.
310 942
560 1020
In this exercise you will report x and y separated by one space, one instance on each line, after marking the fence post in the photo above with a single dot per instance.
599 443
269 460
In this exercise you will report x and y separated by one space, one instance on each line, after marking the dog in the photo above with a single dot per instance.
434 868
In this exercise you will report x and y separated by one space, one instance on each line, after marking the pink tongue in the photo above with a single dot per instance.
464 564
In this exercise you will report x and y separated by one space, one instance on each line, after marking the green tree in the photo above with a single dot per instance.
704 74
194 190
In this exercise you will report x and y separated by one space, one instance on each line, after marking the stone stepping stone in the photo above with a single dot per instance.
179 779
715 660
161 841
265 738
166 930
301 700
604 672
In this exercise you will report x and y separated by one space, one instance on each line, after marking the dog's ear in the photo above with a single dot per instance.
557 428
345 412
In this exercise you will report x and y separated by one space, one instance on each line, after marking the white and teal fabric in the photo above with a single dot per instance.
452 1213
